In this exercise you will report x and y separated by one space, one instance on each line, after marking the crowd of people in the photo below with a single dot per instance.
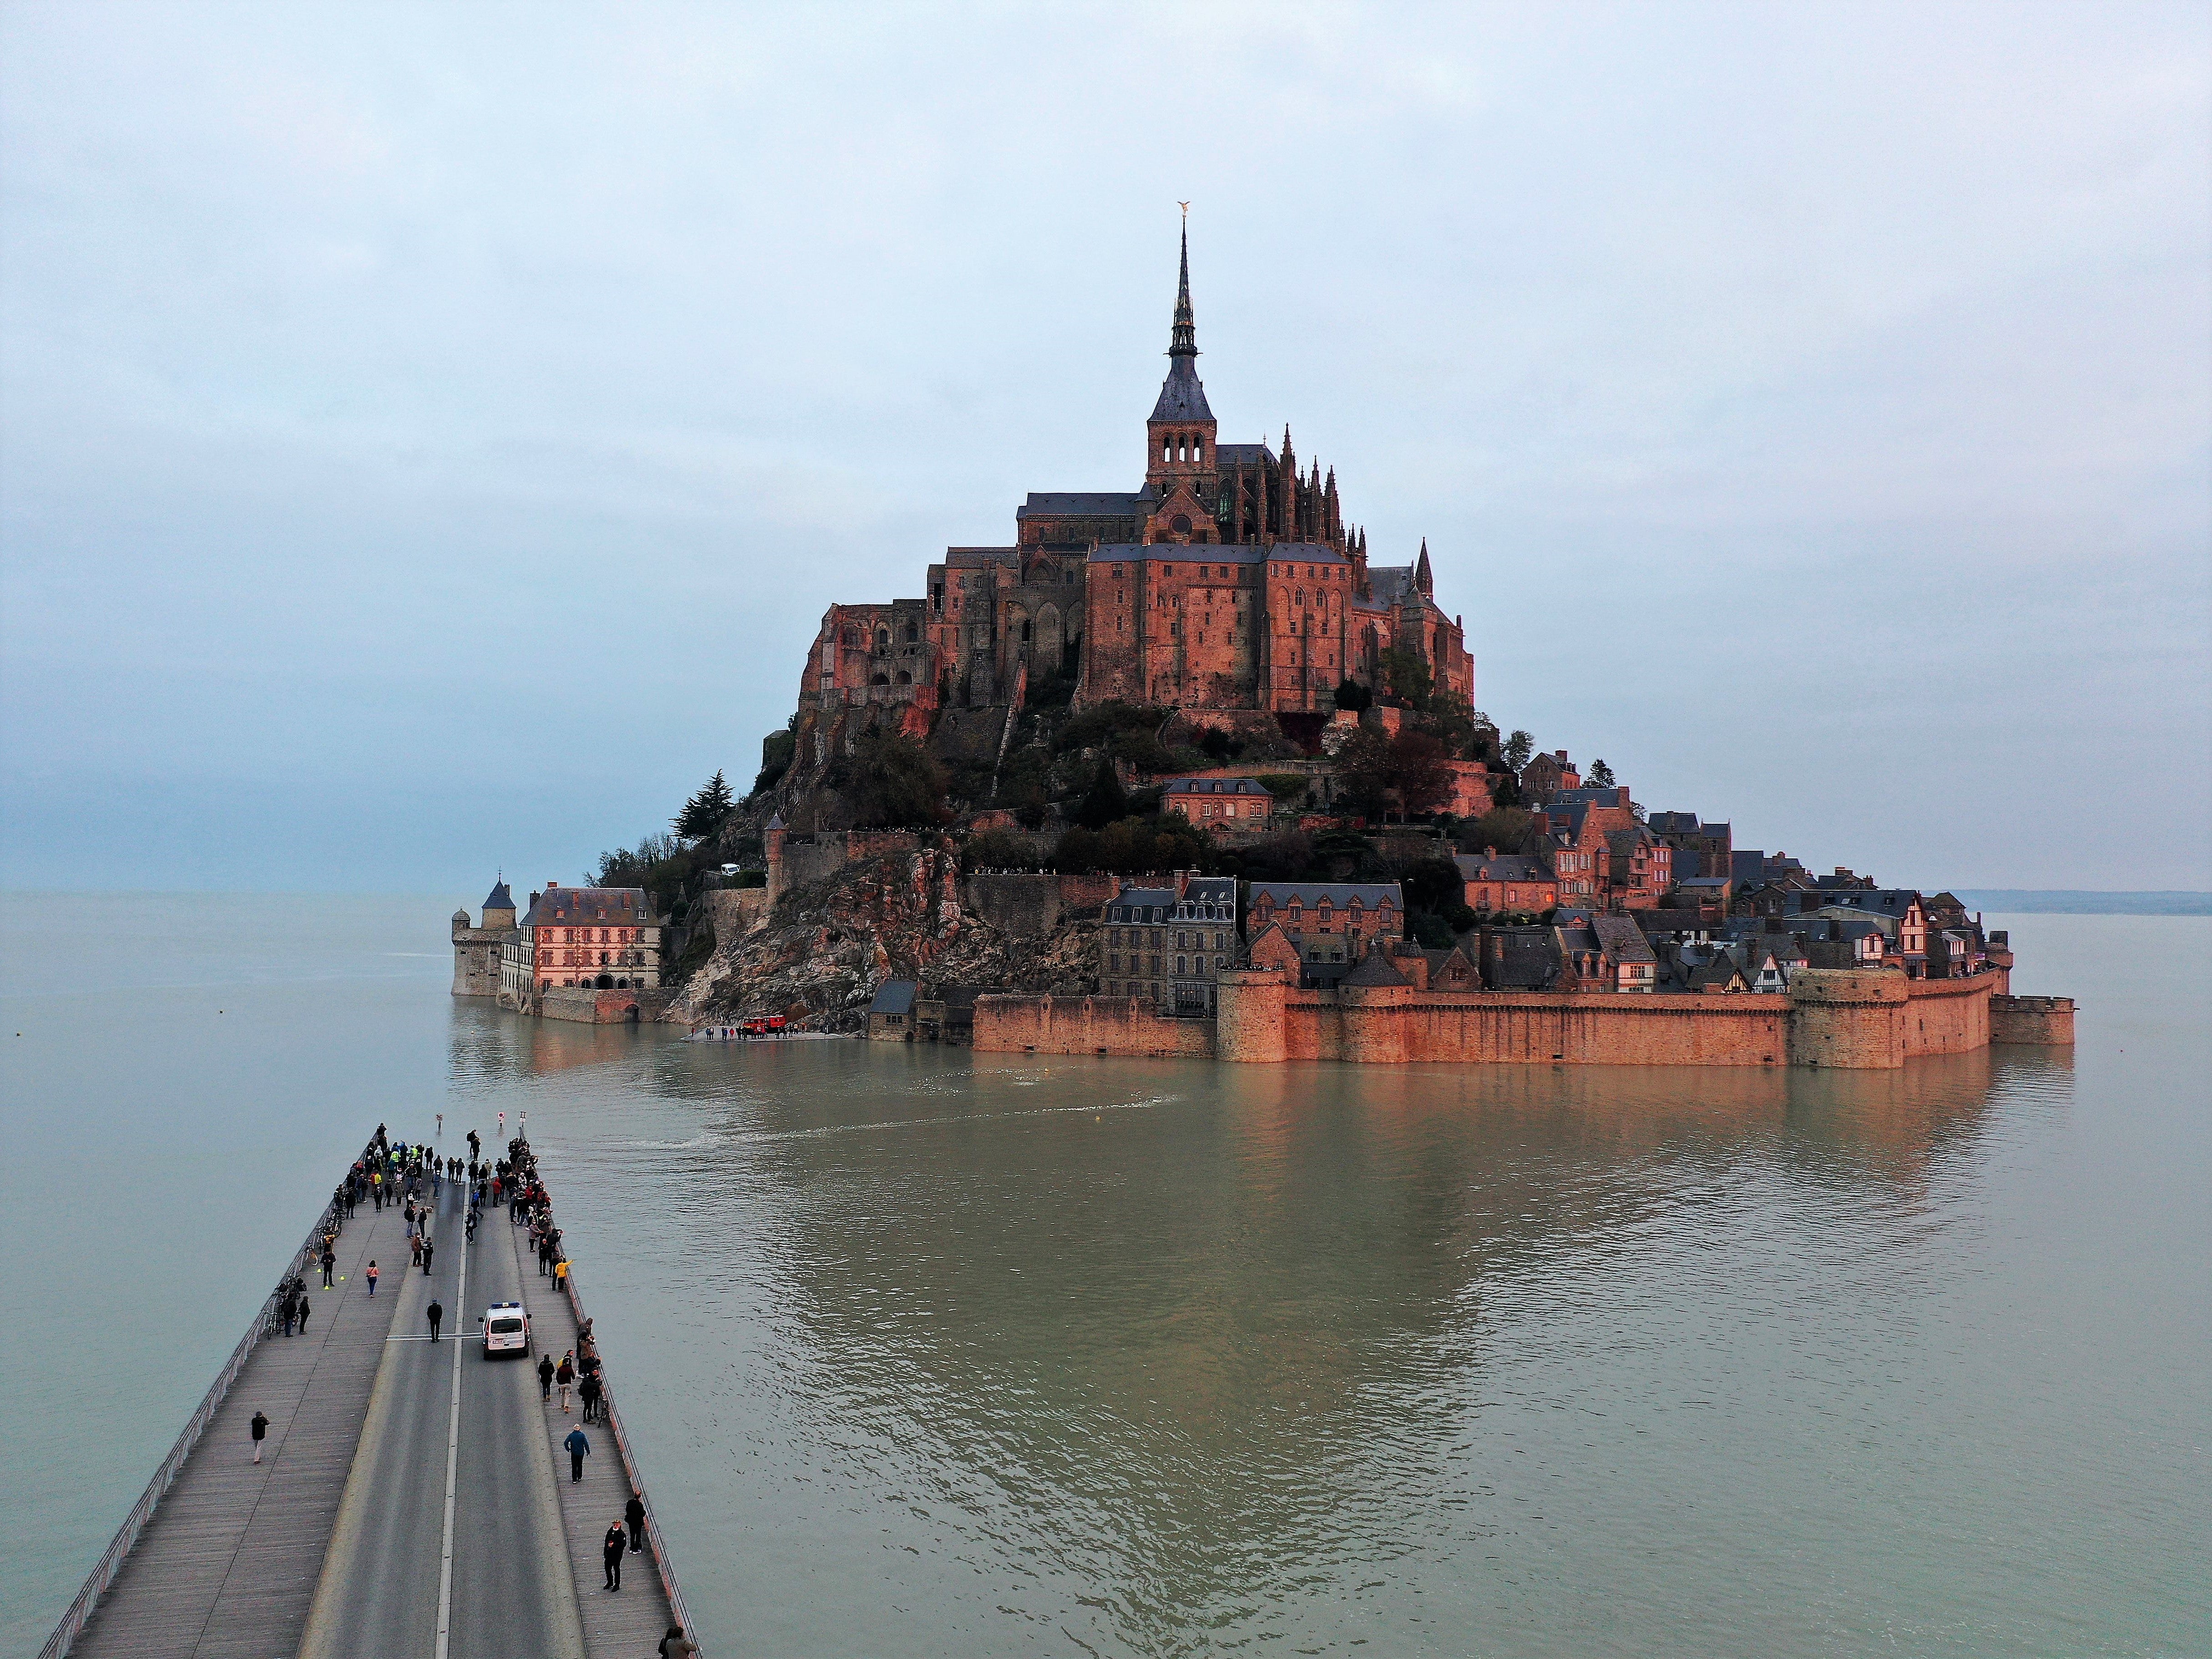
413 1177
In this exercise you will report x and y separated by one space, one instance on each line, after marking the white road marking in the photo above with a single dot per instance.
453 1469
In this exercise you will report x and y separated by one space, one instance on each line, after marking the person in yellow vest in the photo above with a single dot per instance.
561 1274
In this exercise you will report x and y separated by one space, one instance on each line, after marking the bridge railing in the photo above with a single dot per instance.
661 1564
126 1536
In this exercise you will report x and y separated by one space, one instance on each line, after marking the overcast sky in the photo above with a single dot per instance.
429 436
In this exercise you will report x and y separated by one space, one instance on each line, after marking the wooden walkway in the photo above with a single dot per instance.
615 1623
227 1567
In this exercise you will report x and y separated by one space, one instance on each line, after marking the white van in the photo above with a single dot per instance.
506 1330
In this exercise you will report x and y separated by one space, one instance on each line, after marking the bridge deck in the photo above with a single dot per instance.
229 1564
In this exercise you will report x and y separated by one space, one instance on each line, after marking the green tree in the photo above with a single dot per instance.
707 812
1408 673
1518 748
1362 764
1600 776
1506 827
1352 695
890 782
1106 801
1418 770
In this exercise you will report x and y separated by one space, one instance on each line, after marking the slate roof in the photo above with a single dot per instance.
979 558
1623 939
1372 895
1183 394
1242 454
564 907
1506 866
895 996
1212 786
1388 583
1521 961
499 898
1716 883
1096 503
1216 552
1134 904
1375 968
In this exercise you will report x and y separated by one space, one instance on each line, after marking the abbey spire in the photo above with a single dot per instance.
1182 398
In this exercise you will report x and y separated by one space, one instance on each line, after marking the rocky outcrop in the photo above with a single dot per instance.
819 955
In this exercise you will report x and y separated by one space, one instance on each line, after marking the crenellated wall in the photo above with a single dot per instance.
2047 1020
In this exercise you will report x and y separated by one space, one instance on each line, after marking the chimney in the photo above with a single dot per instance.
1562 755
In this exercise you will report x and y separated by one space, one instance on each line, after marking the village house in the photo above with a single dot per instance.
1220 803
1507 882
1329 924
891 1015
1702 847
1628 954
1642 868
1546 774
1167 945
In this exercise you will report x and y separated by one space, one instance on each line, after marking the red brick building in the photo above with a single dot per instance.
1508 883
1220 803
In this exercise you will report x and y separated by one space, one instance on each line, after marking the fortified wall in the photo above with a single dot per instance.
1849 1019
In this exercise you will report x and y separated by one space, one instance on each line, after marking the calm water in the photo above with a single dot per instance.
938 1354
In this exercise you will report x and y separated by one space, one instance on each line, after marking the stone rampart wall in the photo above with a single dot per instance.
2048 1020
1522 1028
1948 1016
1086 1025
586 1006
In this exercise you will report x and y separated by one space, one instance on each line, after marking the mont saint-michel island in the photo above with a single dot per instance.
1191 769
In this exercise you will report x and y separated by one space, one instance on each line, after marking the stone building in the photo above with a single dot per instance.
1327 925
1229 585
581 937
1231 804
477 950
1168 946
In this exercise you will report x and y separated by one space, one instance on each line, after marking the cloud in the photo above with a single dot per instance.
1804 405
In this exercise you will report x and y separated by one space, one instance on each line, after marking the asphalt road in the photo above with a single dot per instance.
512 1595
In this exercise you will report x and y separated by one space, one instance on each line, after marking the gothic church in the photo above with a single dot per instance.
1229 587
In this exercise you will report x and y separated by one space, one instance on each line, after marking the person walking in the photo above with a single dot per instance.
372 1277
610 1555
414 1250
566 1377
436 1312
545 1376
306 1308
260 1427
580 1447
330 1260
427 1247
634 1512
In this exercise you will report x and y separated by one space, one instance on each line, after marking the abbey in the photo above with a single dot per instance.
1229 585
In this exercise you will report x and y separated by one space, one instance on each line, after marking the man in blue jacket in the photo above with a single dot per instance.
580 1447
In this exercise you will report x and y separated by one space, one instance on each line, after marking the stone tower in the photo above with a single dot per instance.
1182 461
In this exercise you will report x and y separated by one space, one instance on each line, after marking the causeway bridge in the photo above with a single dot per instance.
412 1498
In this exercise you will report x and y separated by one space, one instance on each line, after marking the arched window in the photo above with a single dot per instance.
905 678
883 639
